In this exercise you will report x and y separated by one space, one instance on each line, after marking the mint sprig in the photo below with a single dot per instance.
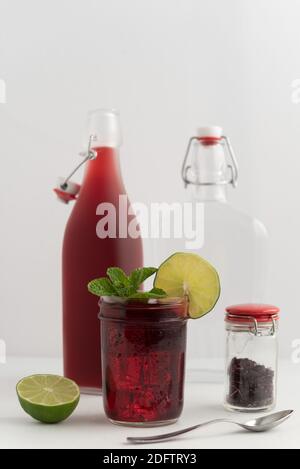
138 276
117 283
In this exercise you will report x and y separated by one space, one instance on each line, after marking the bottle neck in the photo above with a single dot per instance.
105 165
217 193
102 175
208 166
104 133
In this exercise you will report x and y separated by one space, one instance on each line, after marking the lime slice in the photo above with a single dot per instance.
48 398
191 275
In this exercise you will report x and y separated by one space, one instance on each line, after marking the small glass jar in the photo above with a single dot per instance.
143 359
251 357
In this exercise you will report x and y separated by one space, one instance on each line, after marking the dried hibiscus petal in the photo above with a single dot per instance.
250 385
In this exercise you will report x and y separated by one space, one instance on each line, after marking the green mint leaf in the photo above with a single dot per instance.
158 292
120 281
118 277
154 293
102 287
138 276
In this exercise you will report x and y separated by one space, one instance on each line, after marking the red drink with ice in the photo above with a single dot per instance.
143 359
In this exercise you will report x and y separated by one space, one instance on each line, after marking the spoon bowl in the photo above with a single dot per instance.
262 424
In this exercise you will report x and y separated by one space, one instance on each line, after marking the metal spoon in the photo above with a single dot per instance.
260 424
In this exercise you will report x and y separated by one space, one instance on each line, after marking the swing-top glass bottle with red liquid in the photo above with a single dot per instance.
89 248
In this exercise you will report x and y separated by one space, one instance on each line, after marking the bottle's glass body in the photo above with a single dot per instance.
87 252
234 242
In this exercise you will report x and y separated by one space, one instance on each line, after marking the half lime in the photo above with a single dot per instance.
48 398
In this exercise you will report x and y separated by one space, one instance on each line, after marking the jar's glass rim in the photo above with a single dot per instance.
250 325
166 301
270 328
243 319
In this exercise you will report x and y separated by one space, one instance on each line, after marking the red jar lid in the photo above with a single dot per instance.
258 311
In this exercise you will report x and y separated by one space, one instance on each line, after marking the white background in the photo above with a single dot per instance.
168 65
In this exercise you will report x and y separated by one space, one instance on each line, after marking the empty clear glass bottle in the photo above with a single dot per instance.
234 242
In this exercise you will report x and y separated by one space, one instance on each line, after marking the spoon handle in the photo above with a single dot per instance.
167 436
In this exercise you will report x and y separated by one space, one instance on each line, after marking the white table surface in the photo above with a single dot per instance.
89 428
